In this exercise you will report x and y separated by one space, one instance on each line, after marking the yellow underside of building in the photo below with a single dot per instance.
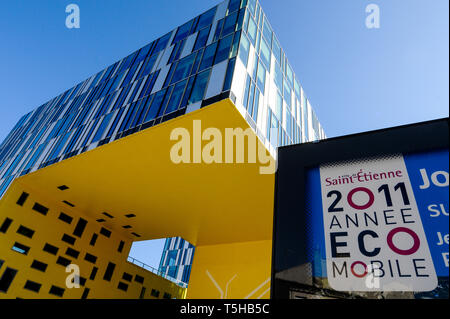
225 210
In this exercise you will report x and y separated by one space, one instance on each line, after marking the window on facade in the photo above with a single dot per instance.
229 75
206 18
183 68
176 52
102 128
162 43
278 77
148 66
21 249
202 38
229 25
276 50
176 96
244 49
223 51
154 108
219 28
234 5
265 53
289 75
252 6
252 31
208 56
261 78
235 46
267 32
198 91
297 89
287 93
247 91
154 293
183 31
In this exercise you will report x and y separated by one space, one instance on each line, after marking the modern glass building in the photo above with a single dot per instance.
229 52
176 259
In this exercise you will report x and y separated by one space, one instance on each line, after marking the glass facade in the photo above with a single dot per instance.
228 51
176 260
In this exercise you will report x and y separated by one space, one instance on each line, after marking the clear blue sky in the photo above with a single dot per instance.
357 79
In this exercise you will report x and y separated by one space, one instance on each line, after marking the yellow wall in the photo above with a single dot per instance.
231 271
225 210
49 229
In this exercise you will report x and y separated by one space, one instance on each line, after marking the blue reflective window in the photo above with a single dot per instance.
5 185
165 100
265 54
156 104
252 31
176 51
297 89
252 6
234 5
229 75
126 62
187 92
223 51
276 50
244 49
202 38
197 62
183 31
74 140
13 165
162 43
175 98
147 66
36 155
142 111
287 94
148 87
218 31
128 117
278 77
135 90
261 77
255 110
206 18
240 21
116 120
247 91
235 46
230 24
289 75
208 56
101 129
183 69
57 149
267 32
198 91
123 95
144 52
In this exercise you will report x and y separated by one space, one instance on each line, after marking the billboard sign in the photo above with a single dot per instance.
371 220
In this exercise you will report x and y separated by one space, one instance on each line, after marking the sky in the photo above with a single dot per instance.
357 79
